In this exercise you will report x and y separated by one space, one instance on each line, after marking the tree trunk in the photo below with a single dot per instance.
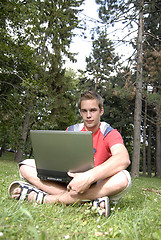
3 148
138 99
149 150
158 145
20 150
144 141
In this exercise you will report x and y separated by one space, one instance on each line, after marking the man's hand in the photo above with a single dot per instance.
80 183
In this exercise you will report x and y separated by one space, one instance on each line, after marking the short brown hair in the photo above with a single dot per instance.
89 95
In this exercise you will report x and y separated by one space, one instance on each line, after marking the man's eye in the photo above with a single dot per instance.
83 111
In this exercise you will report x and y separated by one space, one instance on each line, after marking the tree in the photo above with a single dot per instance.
144 139
112 82
102 62
152 68
127 12
138 99
38 37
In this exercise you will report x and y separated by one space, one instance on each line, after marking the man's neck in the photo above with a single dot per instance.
94 129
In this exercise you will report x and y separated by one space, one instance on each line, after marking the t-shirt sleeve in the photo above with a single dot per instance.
112 138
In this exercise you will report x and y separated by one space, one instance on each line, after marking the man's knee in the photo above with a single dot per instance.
28 162
127 178
27 168
125 181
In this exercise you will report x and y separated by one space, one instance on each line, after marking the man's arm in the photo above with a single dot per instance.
117 162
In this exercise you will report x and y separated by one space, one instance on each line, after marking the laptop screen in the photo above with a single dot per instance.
62 151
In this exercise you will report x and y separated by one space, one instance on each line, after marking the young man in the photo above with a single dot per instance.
107 180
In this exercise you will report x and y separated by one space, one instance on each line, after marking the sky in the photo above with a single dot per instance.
79 44
83 46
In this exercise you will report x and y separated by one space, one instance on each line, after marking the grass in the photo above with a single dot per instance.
136 217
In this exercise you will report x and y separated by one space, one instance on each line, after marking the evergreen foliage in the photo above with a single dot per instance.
127 12
35 38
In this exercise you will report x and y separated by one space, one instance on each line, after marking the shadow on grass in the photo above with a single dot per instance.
7 156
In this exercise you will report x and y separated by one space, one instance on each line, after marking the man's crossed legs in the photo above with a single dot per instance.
114 187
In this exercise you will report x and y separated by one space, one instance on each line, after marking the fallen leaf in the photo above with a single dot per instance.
110 230
98 234
152 190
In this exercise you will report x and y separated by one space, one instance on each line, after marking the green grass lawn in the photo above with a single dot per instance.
138 216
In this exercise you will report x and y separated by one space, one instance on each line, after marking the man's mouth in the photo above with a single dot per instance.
89 121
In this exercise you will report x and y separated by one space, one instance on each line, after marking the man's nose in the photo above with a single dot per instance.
88 114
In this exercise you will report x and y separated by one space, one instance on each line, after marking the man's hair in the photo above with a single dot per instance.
89 95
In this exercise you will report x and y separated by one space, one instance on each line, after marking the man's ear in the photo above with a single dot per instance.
102 111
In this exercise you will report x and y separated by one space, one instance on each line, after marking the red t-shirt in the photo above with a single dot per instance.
102 143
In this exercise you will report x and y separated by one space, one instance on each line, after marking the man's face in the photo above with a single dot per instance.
91 114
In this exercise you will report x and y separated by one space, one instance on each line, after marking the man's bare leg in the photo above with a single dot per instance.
58 192
30 174
106 187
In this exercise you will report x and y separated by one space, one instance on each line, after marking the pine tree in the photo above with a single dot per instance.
36 36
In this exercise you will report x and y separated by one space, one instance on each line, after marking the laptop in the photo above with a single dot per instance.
57 152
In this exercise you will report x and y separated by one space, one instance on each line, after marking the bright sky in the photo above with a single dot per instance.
83 46
80 45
